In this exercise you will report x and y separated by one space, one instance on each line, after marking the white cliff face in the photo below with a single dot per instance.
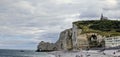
75 33
64 42
80 40
74 36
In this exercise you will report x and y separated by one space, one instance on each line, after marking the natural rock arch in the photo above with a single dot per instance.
92 41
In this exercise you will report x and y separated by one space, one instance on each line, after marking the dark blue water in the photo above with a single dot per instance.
25 53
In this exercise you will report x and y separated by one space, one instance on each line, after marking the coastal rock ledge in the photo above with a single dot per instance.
82 35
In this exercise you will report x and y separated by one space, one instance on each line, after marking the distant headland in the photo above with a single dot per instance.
103 33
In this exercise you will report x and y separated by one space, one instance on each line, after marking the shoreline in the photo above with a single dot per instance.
84 53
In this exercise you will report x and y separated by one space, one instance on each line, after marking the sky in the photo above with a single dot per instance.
24 23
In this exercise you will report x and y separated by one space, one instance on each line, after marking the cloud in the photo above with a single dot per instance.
30 21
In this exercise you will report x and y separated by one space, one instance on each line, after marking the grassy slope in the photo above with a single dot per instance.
105 28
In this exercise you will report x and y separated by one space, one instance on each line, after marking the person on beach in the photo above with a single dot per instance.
113 52
59 55
81 56
77 56
104 53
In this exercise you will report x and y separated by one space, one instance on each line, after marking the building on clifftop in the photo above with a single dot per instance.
103 17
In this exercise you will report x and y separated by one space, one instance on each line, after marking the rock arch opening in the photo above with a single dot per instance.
92 40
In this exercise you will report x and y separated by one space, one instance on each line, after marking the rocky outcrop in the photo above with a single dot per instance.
46 46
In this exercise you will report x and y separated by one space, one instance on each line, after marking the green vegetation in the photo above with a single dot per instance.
103 27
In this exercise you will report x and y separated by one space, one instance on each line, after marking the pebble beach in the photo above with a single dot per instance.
84 53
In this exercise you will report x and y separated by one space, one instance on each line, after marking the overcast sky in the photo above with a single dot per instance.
24 23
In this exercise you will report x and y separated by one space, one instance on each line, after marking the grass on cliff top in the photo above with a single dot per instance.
102 27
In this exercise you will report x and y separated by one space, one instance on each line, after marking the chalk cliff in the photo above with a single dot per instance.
64 42
83 35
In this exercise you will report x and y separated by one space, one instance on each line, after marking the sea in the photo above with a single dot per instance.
23 53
